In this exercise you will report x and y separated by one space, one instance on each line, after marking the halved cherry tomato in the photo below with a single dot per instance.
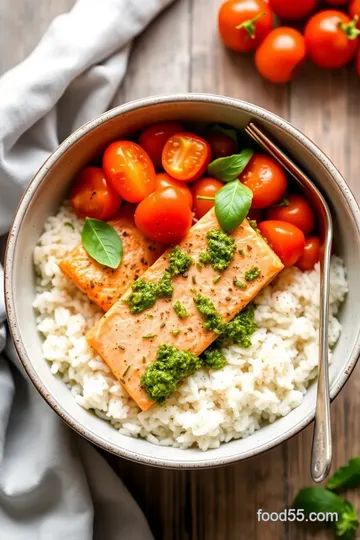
280 54
293 9
205 187
354 10
266 179
311 254
130 170
186 156
286 240
331 38
164 216
221 145
163 180
243 24
297 211
154 137
93 196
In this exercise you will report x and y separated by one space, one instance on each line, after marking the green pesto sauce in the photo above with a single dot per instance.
252 274
239 284
164 287
179 262
180 310
171 366
220 250
240 329
212 320
143 295
213 358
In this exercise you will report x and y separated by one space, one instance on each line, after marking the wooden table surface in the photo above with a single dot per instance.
180 52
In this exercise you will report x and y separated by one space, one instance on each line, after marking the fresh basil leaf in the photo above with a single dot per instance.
102 242
346 477
348 523
228 168
225 130
232 204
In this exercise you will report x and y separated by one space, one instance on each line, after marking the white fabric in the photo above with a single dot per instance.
54 485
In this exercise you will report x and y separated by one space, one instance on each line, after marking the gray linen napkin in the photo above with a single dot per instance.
53 484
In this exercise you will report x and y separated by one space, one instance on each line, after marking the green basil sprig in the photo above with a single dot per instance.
232 204
228 168
346 477
102 242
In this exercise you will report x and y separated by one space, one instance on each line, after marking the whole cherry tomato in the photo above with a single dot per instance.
331 38
354 10
130 170
281 52
186 156
221 145
93 196
243 24
293 9
266 179
163 180
286 240
295 210
205 187
164 216
311 254
154 137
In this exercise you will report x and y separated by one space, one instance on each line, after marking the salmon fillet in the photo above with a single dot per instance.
119 336
104 285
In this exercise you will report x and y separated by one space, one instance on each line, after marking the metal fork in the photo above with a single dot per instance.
322 445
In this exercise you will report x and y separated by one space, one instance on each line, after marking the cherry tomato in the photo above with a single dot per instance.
280 54
164 216
311 254
298 212
286 240
163 180
331 39
205 187
354 10
154 137
243 24
293 9
186 156
266 179
93 196
221 145
130 170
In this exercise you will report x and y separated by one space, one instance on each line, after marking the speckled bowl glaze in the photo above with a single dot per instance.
46 193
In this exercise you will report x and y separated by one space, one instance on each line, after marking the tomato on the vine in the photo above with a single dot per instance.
286 240
243 24
311 254
293 9
205 187
331 38
186 156
93 196
163 180
221 145
266 179
164 216
296 210
130 170
154 137
280 54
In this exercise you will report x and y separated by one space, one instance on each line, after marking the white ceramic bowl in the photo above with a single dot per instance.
46 193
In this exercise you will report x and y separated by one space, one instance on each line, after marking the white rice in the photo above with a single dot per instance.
257 385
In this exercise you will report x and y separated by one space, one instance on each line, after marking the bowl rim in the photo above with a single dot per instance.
10 301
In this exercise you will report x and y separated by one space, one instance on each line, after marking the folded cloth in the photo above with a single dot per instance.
54 485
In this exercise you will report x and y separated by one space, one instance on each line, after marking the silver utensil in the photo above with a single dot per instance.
322 445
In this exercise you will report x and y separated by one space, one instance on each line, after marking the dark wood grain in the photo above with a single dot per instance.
181 52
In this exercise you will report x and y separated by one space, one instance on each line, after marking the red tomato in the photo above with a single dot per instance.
130 170
154 137
331 39
164 216
163 180
205 187
243 24
266 179
286 240
280 54
298 212
221 145
293 9
354 10
311 254
93 196
186 156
